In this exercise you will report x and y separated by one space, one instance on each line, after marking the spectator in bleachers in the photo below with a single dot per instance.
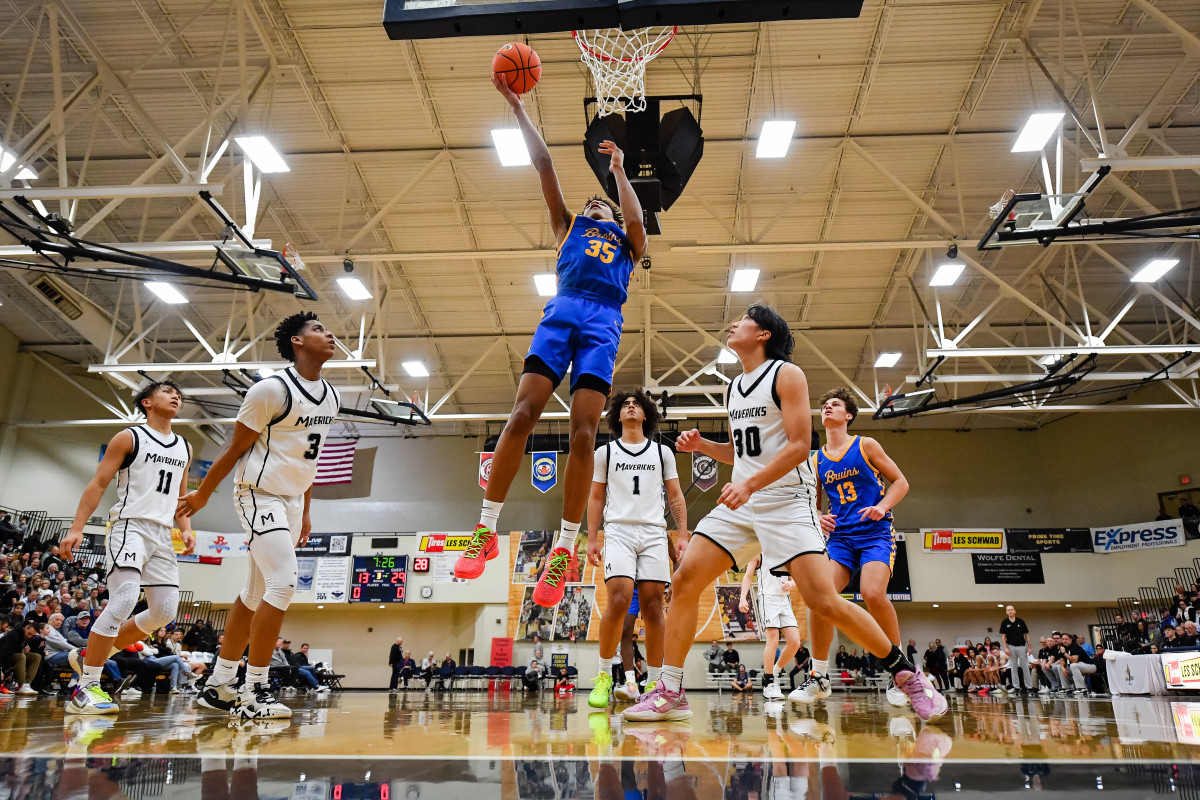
1148 635
1126 634
428 665
1191 518
18 655
196 664
715 658
1169 639
958 669
408 668
77 632
531 678
1078 662
803 664
167 660
563 683
57 646
730 658
742 681
307 671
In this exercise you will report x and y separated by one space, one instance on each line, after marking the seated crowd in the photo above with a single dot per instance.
1175 627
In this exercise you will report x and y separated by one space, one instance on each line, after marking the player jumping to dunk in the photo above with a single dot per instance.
851 470
769 507
580 329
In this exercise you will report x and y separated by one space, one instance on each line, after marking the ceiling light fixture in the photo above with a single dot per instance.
546 284
775 138
23 174
416 369
510 146
166 292
743 280
264 155
354 289
887 360
1154 270
947 274
1037 131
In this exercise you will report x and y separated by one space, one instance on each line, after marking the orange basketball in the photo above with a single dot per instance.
518 65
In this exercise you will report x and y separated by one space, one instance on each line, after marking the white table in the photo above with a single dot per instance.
1130 674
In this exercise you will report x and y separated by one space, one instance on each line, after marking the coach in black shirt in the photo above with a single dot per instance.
1014 635
1079 662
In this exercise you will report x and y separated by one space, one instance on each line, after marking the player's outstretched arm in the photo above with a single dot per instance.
792 388
120 446
560 216
184 522
690 441
747 581
631 207
897 483
243 439
595 512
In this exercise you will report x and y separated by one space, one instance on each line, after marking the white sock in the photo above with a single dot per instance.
490 513
212 763
820 666
567 533
223 672
606 664
245 762
673 768
653 674
90 675
256 676
671 678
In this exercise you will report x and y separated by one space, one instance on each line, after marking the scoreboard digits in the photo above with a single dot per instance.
379 579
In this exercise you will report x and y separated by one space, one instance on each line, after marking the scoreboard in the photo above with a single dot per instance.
379 579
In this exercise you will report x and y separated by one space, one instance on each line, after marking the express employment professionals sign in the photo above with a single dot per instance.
1139 536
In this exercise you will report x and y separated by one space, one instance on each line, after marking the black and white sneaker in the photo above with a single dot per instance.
816 687
218 697
259 702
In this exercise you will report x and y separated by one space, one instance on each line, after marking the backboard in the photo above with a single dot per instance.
1034 218
434 19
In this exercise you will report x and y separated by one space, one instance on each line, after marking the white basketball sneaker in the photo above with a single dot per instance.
896 696
815 688
772 691
259 702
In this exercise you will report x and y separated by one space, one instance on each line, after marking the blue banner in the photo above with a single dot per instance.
545 471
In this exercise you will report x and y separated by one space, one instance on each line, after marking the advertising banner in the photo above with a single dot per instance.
1138 536
1049 540
330 580
485 469
443 542
963 540
221 545
1181 670
1007 568
306 568
502 652
325 544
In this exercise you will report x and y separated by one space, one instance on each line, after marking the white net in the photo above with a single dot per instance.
617 60
998 208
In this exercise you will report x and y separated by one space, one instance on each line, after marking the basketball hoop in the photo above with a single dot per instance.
998 208
617 60
292 256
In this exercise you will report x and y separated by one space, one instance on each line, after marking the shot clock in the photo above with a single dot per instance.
379 579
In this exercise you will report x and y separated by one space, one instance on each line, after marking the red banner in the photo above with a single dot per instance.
485 469
502 652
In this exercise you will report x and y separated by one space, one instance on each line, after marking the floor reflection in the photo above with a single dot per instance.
251 778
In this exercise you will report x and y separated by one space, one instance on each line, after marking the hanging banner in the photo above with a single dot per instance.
325 544
221 545
329 581
545 471
485 469
1138 536
704 471
502 652
1048 540
197 470
963 540
1007 568
443 542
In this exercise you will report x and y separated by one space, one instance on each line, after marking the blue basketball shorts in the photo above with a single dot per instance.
853 550
635 607
579 334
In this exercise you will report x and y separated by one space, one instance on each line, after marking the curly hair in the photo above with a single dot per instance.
649 408
781 343
288 328
847 399
616 209
149 389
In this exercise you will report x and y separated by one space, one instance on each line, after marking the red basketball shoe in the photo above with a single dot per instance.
482 549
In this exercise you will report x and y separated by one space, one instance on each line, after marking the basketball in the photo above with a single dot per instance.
518 65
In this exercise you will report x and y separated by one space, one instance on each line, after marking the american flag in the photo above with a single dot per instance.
336 463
